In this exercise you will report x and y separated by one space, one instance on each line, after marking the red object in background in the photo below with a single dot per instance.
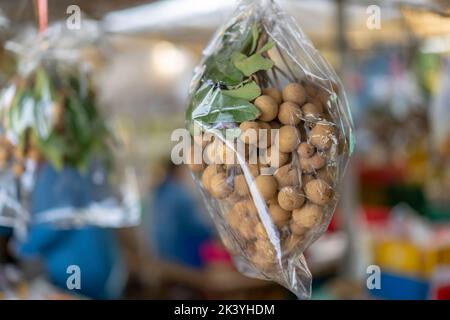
443 293
376 215
381 176
214 252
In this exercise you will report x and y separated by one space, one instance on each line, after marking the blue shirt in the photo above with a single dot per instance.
95 251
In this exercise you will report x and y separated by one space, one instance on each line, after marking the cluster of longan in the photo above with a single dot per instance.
302 183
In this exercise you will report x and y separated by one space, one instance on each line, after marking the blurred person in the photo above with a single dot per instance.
96 251
177 228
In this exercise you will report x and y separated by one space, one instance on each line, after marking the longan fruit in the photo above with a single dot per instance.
297 229
191 160
264 134
235 215
274 93
274 200
311 111
264 247
310 165
251 208
268 107
294 240
249 132
254 169
290 113
289 138
294 92
286 176
290 198
309 216
323 95
326 175
318 191
275 158
305 150
260 231
280 217
311 89
220 188
241 186
321 136
267 186
208 173
315 101
212 154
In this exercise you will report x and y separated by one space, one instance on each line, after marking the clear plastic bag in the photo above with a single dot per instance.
272 136
67 162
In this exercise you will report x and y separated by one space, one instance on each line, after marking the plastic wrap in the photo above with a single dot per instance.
61 163
272 136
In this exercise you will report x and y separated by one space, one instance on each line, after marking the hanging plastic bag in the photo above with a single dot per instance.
272 136
55 138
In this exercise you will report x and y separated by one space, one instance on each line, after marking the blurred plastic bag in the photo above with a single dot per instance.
55 138
272 136
438 182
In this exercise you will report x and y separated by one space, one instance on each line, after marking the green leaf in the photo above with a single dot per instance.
53 150
220 108
220 69
255 37
253 64
249 92
269 45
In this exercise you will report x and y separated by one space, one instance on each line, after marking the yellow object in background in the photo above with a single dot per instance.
398 256
405 257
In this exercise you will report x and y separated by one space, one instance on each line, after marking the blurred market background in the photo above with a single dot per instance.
395 206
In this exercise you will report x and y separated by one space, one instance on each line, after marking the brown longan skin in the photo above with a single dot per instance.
264 135
305 150
280 217
312 164
268 107
297 229
311 89
274 93
219 186
260 231
267 186
289 139
290 198
318 192
321 136
241 186
309 216
311 111
271 157
250 136
208 173
290 113
294 92
195 167
286 176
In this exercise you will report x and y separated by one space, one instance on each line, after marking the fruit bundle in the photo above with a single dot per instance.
274 131
56 138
